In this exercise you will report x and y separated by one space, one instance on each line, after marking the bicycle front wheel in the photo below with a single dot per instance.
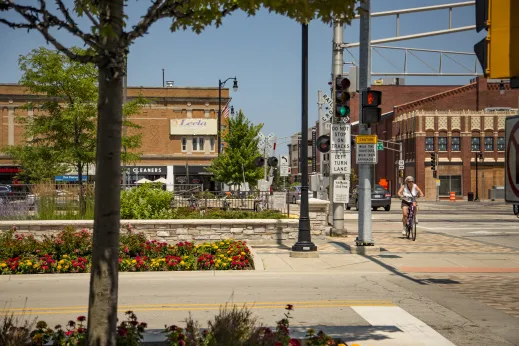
413 229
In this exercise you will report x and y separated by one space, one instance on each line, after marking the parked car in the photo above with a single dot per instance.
294 194
380 198
5 193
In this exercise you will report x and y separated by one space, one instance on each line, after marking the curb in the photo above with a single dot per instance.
258 262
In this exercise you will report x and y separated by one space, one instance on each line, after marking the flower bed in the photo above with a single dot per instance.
232 326
71 252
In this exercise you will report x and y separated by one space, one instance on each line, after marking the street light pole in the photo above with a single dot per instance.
219 120
304 237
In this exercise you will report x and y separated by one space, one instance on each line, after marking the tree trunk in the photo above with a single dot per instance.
102 308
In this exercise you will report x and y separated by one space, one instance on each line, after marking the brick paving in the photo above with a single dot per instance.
500 292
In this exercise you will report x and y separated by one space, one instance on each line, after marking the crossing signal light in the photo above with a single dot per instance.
433 161
323 143
497 52
371 113
259 162
272 161
342 97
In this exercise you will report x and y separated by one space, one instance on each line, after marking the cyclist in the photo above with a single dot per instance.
409 189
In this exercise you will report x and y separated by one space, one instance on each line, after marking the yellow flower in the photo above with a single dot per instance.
59 267
222 243
127 261
36 266
3 265
222 255
186 257
219 261
182 263
65 256
216 265
61 261
29 263
66 267
243 253
216 247
134 261
229 259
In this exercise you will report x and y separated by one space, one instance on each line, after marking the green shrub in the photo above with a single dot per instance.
147 201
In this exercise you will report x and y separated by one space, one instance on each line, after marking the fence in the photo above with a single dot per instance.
61 201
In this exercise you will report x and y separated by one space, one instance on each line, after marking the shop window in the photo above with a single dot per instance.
475 143
489 143
184 144
429 143
450 183
455 143
212 143
442 143
195 143
201 143
500 143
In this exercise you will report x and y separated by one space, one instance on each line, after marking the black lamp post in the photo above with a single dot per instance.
304 237
479 155
220 86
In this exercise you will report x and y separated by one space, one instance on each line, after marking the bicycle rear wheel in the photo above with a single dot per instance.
413 228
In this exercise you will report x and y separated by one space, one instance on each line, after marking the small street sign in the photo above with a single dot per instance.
380 145
400 162
401 167
340 139
366 139
284 171
341 191
340 162
367 153
283 161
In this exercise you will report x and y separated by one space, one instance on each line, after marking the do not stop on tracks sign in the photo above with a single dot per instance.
512 160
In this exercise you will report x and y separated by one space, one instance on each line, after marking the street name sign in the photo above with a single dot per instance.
367 153
340 162
340 139
366 139
512 160
341 191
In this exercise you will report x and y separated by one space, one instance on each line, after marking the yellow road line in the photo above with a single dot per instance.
174 307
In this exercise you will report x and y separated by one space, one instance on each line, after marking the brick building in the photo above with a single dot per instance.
426 118
179 130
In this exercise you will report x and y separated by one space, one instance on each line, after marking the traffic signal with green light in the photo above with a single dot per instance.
498 52
323 143
342 98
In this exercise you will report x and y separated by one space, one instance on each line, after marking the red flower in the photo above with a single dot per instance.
69 333
294 342
81 318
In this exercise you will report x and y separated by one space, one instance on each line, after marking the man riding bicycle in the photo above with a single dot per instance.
408 192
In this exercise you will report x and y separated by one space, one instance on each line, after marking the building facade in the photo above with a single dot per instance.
179 132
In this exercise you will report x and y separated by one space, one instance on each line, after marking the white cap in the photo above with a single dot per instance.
409 178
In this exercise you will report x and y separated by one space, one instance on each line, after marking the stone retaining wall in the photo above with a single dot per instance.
255 231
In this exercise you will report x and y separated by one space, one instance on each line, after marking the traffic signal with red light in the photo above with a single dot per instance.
371 113
342 98
323 144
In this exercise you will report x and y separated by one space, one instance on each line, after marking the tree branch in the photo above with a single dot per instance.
149 18
41 19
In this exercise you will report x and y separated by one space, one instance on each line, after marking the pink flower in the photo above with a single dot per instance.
69 333
294 342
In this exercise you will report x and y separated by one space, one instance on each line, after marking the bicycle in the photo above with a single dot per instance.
410 227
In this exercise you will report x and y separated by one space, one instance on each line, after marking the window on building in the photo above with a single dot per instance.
211 143
442 143
455 144
450 183
500 143
201 143
489 143
476 143
195 143
184 144
429 143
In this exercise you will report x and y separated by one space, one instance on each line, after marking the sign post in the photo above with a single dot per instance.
512 160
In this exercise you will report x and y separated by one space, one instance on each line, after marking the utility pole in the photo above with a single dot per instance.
365 233
337 70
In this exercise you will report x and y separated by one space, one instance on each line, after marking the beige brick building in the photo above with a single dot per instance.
179 131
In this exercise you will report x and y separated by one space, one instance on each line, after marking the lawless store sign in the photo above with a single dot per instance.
10 170
192 126
146 170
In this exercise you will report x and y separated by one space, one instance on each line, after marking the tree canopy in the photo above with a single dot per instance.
237 159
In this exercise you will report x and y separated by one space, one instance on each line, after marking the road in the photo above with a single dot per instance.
450 287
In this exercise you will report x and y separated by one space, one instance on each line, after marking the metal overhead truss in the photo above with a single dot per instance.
435 71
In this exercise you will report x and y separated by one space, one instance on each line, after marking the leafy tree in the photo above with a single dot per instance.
109 44
62 132
238 157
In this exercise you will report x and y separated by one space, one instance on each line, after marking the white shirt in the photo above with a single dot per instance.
412 193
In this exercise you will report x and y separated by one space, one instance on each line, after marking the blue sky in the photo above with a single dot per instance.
264 53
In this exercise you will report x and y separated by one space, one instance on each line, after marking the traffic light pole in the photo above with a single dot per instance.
337 66
365 232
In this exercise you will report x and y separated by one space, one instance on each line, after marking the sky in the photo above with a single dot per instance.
264 54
